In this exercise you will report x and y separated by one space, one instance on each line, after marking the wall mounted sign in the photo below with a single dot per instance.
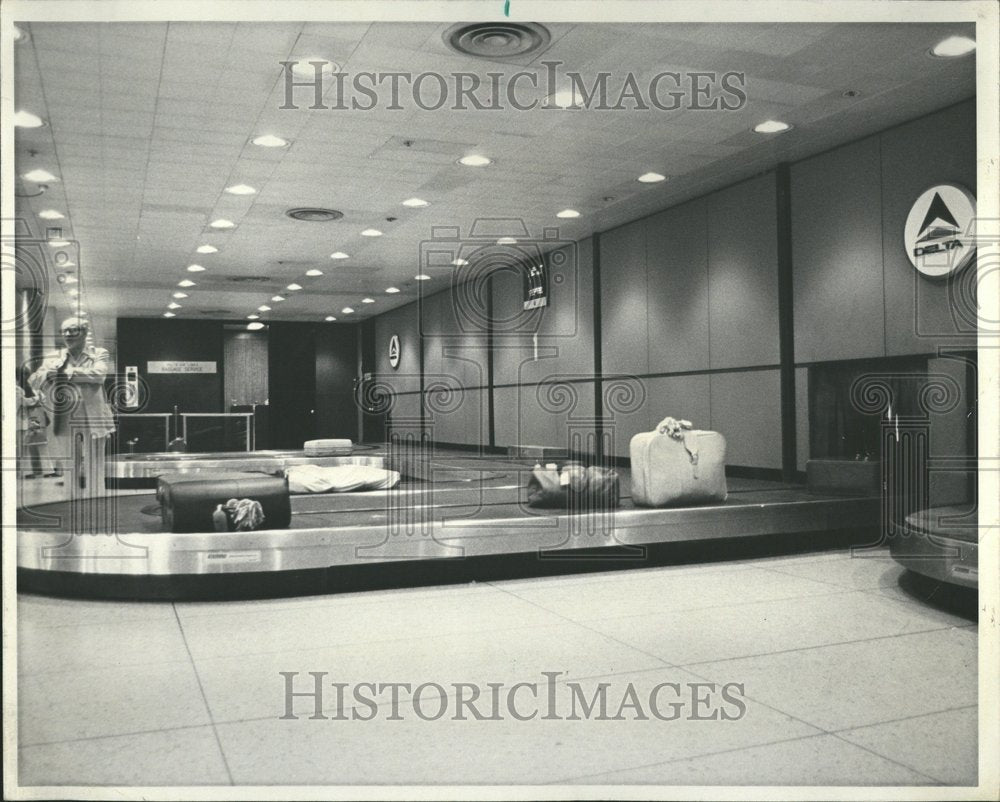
180 366
536 286
939 232
394 351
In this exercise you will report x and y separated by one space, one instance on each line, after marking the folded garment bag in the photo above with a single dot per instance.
677 465
304 479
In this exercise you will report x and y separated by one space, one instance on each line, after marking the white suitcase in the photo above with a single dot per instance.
677 465
327 448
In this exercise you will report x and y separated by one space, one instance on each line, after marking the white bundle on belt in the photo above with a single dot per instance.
338 478
327 447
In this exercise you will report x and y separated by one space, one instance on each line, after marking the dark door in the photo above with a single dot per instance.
291 383
336 371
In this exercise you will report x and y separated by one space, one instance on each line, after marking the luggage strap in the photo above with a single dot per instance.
681 430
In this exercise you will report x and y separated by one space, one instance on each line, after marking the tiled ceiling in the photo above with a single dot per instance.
148 122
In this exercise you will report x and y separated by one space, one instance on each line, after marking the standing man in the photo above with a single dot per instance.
71 386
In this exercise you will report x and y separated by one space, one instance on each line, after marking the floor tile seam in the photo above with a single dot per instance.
129 734
667 762
583 625
894 761
449 696
662 610
855 728
333 602
204 698
511 628
821 646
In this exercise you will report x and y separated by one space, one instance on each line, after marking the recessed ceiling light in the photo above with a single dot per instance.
347 310
367 300
195 269
314 272
474 160
173 305
263 308
339 255
277 297
329 318
294 287
222 223
651 178
269 141
253 317
460 261
185 282
422 277
506 241
59 243
565 213
953 47
371 232
169 314
255 326
73 291
240 189
771 127
305 67
38 175
207 249
20 35
392 290
51 214
25 119
69 280
180 295
415 202
565 99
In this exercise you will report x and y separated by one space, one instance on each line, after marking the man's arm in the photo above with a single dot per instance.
95 373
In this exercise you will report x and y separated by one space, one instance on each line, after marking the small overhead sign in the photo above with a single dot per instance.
180 366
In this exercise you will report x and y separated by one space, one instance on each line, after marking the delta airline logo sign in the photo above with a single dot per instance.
939 230
394 351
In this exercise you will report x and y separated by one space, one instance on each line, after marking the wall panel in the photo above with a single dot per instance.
404 323
746 409
539 415
677 297
624 335
939 148
743 274
837 254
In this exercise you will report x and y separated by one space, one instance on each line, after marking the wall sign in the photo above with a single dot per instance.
536 286
180 366
394 351
939 232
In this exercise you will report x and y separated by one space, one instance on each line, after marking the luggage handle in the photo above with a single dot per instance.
681 430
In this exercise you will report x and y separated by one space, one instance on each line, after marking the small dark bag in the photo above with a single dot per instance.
573 488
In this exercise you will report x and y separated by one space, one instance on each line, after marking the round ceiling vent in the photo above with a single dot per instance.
497 40
314 215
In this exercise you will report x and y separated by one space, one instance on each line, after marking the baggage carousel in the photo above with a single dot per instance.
452 514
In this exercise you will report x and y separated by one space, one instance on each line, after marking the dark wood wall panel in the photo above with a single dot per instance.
245 367
837 254
336 370
141 340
